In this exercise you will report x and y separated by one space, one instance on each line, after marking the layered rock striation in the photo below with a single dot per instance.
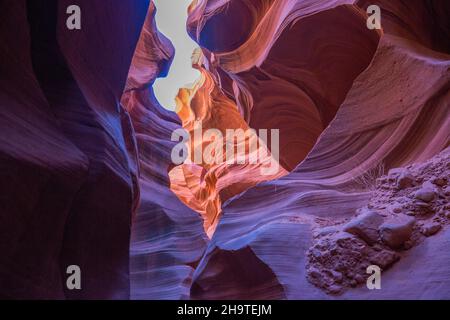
357 103
362 176
67 148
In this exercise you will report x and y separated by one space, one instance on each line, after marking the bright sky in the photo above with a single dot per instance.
171 16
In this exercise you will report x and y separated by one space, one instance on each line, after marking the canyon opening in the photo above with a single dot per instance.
171 17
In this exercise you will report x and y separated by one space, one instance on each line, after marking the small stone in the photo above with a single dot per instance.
316 253
403 200
431 229
396 231
425 194
365 226
336 275
405 180
359 278
315 273
334 289
384 258
438 181
422 204
396 208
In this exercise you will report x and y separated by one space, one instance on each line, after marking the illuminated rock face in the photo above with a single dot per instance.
87 175
167 238
348 107
351 104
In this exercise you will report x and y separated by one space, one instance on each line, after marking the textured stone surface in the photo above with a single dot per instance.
68 181
352 126
396 232
365 226
85 152
167 237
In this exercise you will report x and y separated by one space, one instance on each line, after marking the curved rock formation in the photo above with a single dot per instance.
204 185
298 54
88 177
375 111
67 148
167 237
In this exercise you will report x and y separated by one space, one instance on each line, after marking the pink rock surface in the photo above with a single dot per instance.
167 237
379 116
87 179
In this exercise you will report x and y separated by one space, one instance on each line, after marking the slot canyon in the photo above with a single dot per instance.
362 168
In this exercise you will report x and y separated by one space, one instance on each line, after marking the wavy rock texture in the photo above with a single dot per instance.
406 206
168 239
68 162
85 152
204 186
273 72
350 104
